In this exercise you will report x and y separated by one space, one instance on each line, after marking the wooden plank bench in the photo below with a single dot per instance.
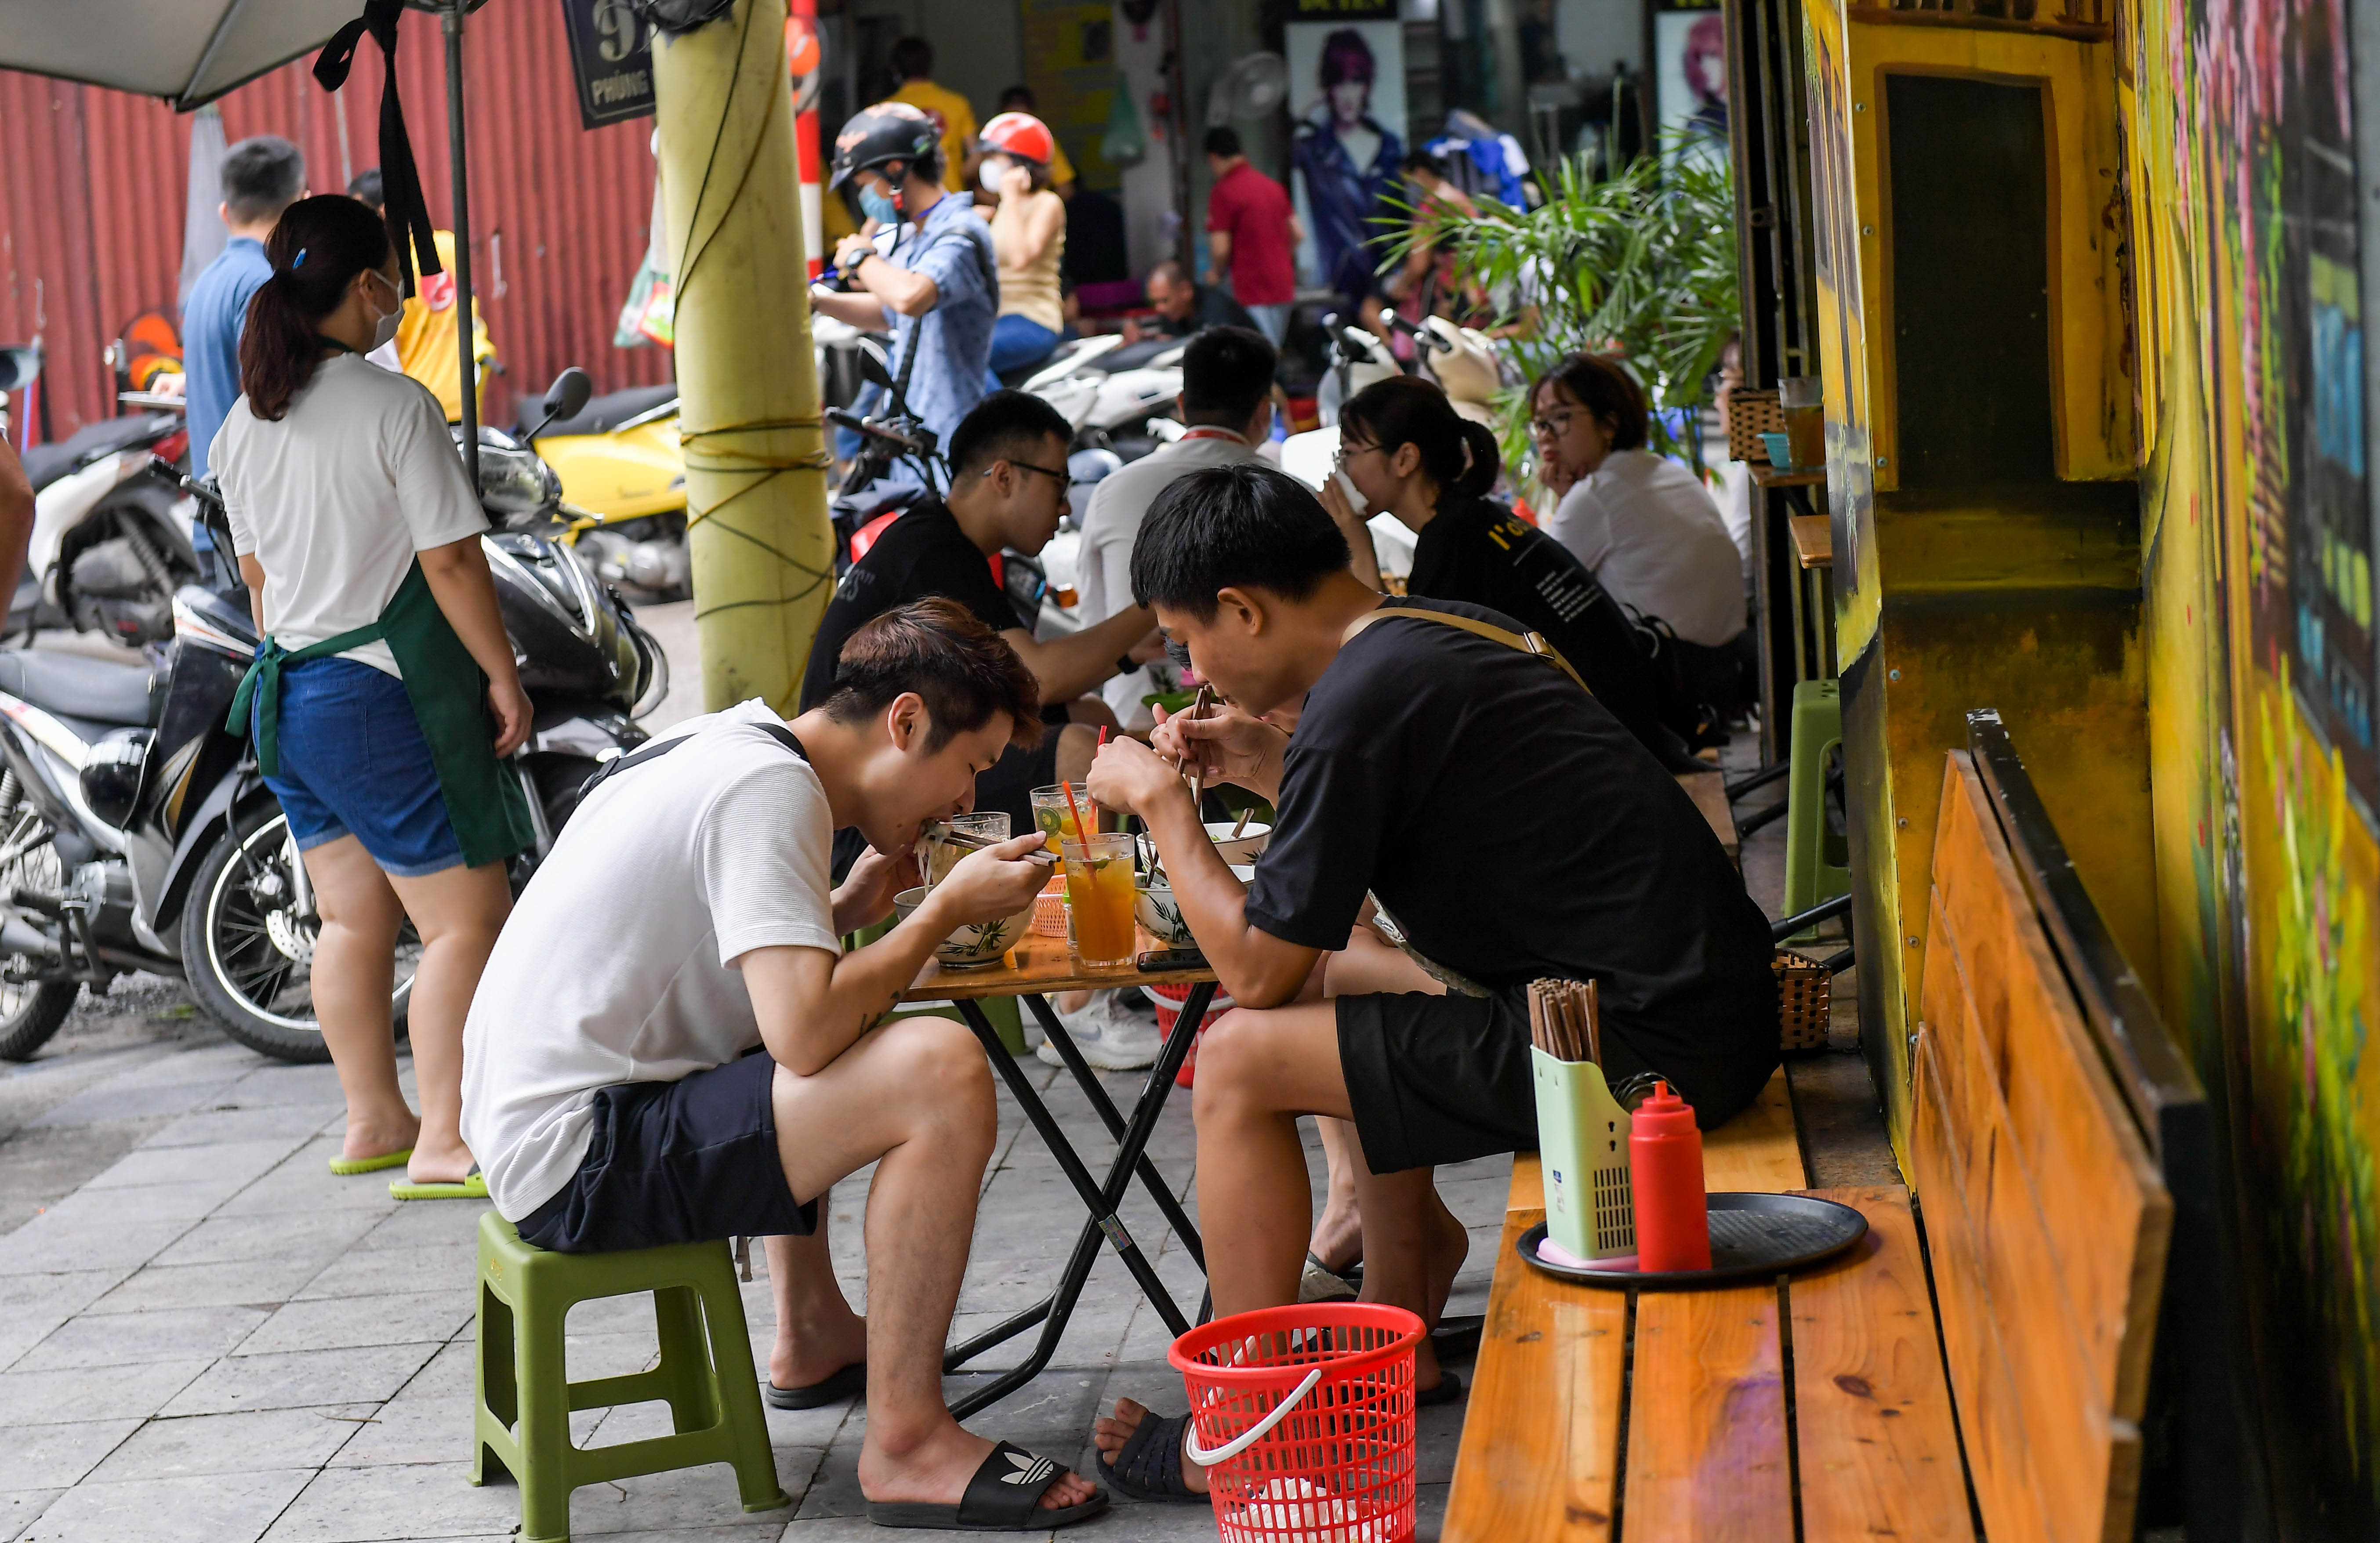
1708 789
1665 1415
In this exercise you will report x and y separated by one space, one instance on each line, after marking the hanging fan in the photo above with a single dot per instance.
1253 86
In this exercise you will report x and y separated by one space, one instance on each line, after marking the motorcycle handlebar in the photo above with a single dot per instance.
848 420
190 485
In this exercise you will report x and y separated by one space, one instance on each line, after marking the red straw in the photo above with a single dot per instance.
1077 811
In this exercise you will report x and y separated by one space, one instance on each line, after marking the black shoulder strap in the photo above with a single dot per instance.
782 735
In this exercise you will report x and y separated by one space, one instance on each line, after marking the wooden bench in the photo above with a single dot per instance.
1825 1407
1708 789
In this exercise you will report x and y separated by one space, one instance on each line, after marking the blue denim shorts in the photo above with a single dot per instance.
354 762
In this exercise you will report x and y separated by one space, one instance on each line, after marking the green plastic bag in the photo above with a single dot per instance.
1125 143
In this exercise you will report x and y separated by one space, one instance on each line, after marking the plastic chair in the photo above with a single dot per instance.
1817 859
525 1398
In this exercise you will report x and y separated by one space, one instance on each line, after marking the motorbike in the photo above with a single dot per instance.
136 833
1125 409
622 486
112 536
1461 361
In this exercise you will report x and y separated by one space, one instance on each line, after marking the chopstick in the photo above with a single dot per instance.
977 843
1087 787
1566 1019
1243 824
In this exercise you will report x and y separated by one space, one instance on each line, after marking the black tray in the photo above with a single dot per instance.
1752 1237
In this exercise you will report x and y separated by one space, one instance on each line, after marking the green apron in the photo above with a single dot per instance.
449 693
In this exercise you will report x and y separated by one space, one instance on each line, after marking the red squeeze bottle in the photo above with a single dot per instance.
1665 1172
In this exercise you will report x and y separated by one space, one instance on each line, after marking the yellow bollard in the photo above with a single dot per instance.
758 537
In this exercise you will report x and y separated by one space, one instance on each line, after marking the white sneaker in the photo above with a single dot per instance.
1110 1038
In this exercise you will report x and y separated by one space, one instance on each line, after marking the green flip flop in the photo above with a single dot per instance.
472 1186
348 1167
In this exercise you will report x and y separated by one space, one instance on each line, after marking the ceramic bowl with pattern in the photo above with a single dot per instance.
975 944
1160 916
1242 848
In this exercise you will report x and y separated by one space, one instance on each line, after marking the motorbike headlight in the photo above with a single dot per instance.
515 481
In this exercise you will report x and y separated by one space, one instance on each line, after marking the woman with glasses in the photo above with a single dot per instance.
1404 450
1645 526
383 696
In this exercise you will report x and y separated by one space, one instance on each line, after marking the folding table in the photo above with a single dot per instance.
1036 969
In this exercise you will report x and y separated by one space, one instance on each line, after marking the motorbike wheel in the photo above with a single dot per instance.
249 957
31 1011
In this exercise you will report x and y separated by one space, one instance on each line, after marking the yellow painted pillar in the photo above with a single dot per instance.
761 546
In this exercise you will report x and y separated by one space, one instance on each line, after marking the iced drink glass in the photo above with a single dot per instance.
1054 818
1098 883
943 855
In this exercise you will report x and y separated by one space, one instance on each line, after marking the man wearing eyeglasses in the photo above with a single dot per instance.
1008 490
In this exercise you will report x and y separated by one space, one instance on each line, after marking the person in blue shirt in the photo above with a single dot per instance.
261 177
940 287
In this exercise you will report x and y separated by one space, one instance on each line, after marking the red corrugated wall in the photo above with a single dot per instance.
92 187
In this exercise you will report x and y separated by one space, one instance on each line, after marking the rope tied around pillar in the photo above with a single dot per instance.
713 450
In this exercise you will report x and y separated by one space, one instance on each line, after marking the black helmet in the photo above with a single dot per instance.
887 132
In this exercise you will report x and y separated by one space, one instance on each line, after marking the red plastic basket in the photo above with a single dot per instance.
1167 1000
1304 1417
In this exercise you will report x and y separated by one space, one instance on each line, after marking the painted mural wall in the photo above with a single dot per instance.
2246 267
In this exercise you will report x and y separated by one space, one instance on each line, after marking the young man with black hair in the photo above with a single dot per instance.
717 1064
1227 382
1500 820
1008 490
261 176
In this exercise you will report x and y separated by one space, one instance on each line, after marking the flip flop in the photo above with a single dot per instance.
348 1167
1149 1465
1003 1496
1456 1337
849 1384
1320 1283
472 1186
1448 1389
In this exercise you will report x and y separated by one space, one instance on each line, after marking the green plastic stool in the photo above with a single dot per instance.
1817 861
522 1425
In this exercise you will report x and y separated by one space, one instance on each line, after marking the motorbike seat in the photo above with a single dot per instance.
44 464
73 686
608 412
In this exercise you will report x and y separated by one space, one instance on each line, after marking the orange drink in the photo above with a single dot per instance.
1100 885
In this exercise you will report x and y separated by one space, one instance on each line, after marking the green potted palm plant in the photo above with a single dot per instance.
1639 263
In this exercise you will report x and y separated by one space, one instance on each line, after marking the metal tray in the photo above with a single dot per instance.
1752 1237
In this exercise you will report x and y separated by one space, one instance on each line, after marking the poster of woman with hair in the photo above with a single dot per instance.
1348 81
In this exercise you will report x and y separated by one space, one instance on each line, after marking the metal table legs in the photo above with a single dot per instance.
1101 1199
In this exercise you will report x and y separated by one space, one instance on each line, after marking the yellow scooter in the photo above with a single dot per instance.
624 487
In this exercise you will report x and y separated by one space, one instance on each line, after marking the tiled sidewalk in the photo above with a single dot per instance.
215 1340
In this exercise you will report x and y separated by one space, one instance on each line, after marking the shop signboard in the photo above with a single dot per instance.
611 60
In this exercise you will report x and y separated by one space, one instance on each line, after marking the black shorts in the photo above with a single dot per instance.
1436 1080
680 1162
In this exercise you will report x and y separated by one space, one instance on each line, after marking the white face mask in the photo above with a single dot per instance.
989 174
384 330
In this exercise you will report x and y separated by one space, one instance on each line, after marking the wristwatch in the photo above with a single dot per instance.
1125 664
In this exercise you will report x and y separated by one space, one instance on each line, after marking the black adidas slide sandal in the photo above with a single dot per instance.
1003 1496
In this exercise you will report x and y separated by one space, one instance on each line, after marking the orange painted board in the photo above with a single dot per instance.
1540 1448
1878 1449
1707 1461
1813 540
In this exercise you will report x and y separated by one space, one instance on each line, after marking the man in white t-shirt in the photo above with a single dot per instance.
1227 375
669 1044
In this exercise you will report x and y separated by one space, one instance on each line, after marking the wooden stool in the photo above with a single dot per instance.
525 1398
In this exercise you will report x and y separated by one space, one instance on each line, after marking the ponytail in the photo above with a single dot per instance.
319 247
1459 456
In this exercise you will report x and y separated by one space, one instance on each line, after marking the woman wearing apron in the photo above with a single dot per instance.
383 694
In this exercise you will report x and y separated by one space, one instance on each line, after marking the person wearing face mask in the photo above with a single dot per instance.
1028 232
938 288
384 696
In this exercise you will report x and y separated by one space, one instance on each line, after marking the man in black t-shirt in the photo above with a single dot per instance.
1503 820
1008 490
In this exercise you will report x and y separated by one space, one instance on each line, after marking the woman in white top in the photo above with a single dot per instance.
1645 526
1029 233
384 691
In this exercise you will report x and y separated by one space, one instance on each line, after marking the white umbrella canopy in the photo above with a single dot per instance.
188 52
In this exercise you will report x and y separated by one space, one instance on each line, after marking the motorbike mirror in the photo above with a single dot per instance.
566 398
871 366
18 367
